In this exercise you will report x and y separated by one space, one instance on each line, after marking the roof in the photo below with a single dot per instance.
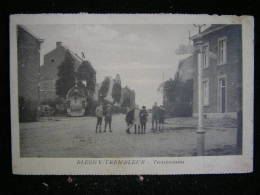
49 71
29 32
88 64
210 29
74 54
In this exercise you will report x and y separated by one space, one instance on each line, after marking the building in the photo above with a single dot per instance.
49 70
221 64
28 53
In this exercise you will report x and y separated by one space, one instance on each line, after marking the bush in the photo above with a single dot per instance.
179 97
58 105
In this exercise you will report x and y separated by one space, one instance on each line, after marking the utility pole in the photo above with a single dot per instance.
200 131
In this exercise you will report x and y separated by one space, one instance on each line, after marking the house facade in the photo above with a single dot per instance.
28 53
49 70
221 65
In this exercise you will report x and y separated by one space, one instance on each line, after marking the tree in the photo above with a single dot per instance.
178 97
104 88
87 74
126 102
66 76
169 89
116 92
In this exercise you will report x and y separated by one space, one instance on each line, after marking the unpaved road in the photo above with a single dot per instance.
76 137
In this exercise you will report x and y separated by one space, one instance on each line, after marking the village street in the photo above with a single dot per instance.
76 137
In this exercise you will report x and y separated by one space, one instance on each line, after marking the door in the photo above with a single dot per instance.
76 104
222 94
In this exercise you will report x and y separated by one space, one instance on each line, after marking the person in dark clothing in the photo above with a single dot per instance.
129 119
143 119
155 117
108 117
161 112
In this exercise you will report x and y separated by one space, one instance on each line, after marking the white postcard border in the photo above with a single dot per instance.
167 165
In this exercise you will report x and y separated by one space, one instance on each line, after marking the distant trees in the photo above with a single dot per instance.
104 88
116 92
178 97
66 76
126 101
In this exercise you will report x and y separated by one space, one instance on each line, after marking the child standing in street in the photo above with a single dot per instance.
137 124
99 115
143 119
108 117
129 119
161 117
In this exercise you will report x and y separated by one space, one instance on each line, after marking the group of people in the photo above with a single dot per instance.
107 114
158 113
135 117
138 118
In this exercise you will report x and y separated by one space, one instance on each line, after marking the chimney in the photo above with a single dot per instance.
58 44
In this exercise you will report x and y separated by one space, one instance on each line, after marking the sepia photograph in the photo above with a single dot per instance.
129 90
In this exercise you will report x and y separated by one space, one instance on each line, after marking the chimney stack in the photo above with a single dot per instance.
58 44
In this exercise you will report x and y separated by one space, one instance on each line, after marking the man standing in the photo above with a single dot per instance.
161 112
143 118
108 117
155 117
99 115
137 125
129 118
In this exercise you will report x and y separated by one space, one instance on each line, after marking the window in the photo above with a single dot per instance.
205 92
222 51
205 56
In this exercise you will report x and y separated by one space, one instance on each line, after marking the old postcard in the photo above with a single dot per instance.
112 94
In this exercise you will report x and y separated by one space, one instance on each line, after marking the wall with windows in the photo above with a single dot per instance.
49 70
221 57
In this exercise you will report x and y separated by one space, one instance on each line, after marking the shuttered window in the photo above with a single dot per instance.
222 51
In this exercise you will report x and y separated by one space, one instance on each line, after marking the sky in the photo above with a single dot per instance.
143 55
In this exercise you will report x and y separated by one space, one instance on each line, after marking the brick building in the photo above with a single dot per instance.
49 70
28 53
221 71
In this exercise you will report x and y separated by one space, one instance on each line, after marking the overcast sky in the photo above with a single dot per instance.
143 55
